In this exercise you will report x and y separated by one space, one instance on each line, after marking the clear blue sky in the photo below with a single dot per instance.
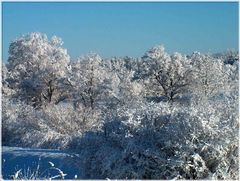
119 29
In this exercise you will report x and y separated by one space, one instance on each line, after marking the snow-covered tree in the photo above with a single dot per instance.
231 72
7 92
170 73
123 88
208 75
37 66
230 57
89 80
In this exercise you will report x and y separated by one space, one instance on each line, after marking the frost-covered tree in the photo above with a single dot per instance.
232 72
229 57
208 75
123 88
170 73
89 80
7 92
37 66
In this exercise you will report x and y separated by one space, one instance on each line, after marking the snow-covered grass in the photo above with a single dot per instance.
35 164
35 174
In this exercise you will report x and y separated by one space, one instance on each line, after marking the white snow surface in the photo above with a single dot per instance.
16 158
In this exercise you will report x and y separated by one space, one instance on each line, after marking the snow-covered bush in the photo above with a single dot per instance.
162 141
21 126
51 127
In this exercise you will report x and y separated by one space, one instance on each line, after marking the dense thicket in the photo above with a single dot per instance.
160 116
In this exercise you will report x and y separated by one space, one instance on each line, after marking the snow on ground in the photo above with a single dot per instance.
16 158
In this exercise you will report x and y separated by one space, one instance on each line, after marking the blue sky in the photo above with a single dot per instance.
119 29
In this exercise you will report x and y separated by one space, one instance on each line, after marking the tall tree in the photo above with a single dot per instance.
36 65
169 73
89 80
208 75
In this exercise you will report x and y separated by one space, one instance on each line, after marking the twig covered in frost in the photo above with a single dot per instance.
35 174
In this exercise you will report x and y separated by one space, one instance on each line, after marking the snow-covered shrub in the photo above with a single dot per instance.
163 141
51 127
16 122
64 119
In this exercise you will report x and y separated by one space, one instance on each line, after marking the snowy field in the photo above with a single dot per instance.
30 161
